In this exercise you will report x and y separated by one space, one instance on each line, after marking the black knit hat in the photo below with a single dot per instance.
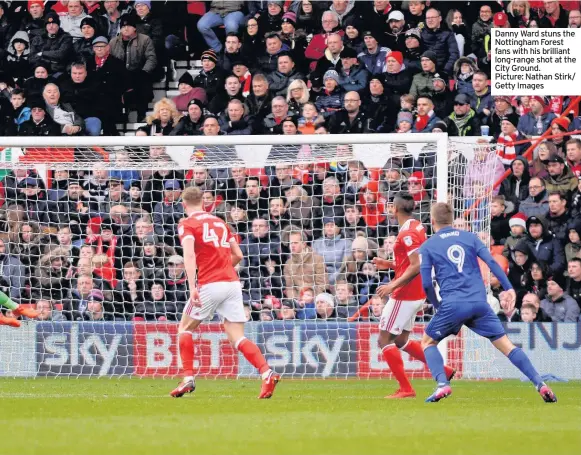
186 78
52 18
513 118
127 19
37 102
88 20
431 55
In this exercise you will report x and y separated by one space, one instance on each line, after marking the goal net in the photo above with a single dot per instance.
88 236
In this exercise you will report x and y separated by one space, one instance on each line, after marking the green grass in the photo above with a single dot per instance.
136 416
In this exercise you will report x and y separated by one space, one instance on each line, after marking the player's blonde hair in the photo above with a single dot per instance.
442 214
192 196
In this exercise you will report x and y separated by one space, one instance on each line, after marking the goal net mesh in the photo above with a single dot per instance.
88 236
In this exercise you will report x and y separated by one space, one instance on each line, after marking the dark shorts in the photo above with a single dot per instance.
478 317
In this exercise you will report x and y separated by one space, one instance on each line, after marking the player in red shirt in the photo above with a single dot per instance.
406 296
211 252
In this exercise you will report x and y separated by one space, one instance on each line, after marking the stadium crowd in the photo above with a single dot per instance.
102 245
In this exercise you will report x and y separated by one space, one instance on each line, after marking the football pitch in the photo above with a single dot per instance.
137 416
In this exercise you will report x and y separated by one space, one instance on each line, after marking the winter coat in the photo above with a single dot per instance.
267 63
241 127
559 226
324 64
527 124
186 127
212 82
535 206
464 85
224 7
481 102
18 66
333 251
443 43
339 123
153 27
516 190
397 84
305 270
547 250
374 63
480 30
13 272
355 81
278 82
429 127
422 84
139 55
83 96
330 102
562 309
471 127
256 251
83 49
566 183
56 52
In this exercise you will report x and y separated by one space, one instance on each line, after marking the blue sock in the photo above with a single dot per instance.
520 360
436 364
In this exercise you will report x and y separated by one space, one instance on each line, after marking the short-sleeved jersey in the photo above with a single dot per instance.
411 236
212 238
453 254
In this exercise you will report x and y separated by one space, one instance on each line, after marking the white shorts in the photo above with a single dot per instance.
399 315
224 298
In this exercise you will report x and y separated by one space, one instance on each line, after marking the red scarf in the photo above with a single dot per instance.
246 82
100 61
506 150
422 121
211 207
110 249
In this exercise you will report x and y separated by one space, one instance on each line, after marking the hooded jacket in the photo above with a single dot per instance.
18 66
535 205
566 183
517 274
546 249
516 190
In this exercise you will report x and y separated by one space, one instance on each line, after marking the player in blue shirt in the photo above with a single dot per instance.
453 254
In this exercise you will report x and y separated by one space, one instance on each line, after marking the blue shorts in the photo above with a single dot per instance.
478 317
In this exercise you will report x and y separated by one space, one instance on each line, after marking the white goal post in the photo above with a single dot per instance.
88 225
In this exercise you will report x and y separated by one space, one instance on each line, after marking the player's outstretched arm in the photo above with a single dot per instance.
486 256
237 255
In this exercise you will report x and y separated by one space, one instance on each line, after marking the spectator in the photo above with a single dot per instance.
252 41
573 286
113 18
148 24
500 216
53 47
573 155
351 119
373 56
190 124
303 268
502 108
439 40
233 90
558 216
83 47
71 22
164 118
259 101
325 306
231 52
537 204
332 247
188 92
517 225
33 21
271 19
62 113
331 100
574 18
481 101
138 54
297 96
267 61
515 188
234 122
537 121
463 121
129 293
76 305
39 124
52 274
352 77
255 199
285 74
81 92
426 117
423 83
47 312
17 62
416 16
272 123
167 214
156 306
547 250
413 50
211 78
558 305
228 14
306 304
394 38
109 71
318 45
12 274
95 309
560 178
296 40
533 300
555 16
481 28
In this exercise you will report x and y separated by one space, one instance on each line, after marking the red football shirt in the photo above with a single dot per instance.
212 246
411 235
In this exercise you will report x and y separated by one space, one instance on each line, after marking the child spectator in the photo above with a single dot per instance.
518 229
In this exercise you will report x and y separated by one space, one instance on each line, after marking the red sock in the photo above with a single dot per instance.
414 349
251 353
393 358
186 343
